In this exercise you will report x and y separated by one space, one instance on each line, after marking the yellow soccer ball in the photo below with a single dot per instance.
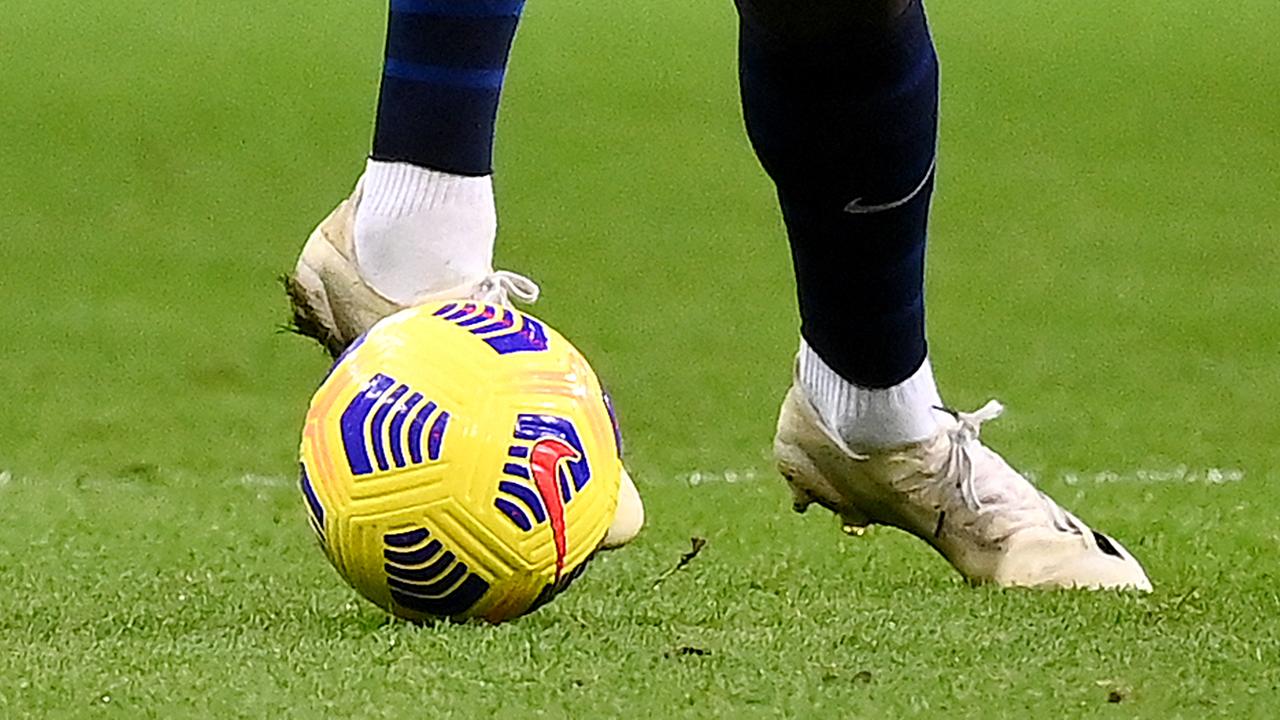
460 460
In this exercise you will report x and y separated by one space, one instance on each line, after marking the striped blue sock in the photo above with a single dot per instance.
441 81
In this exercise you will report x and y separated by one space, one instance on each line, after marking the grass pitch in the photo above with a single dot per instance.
1104 259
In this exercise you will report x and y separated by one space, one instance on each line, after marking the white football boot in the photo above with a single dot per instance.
955 494
333 304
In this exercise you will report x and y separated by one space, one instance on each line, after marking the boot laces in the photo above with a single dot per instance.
965 446
497 286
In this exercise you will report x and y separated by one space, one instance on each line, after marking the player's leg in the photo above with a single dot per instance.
427 219
421 222
840 99
841 103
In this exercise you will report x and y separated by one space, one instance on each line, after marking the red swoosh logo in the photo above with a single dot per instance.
544 466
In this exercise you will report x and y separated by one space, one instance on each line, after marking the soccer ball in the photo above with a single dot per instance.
460 460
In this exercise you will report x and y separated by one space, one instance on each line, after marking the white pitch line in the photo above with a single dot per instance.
1174 475
254 480
706 477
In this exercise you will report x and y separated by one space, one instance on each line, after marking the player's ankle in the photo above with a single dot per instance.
419 230
871 417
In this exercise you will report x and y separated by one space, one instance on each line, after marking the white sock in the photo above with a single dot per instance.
420 231
866 417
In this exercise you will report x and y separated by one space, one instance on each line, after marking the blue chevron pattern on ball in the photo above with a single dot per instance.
388 424
424 577
522 504
315 510
505 330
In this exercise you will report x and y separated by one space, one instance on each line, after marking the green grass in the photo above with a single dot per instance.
1104 259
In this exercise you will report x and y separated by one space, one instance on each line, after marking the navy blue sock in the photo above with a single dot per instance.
843 116
441 81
